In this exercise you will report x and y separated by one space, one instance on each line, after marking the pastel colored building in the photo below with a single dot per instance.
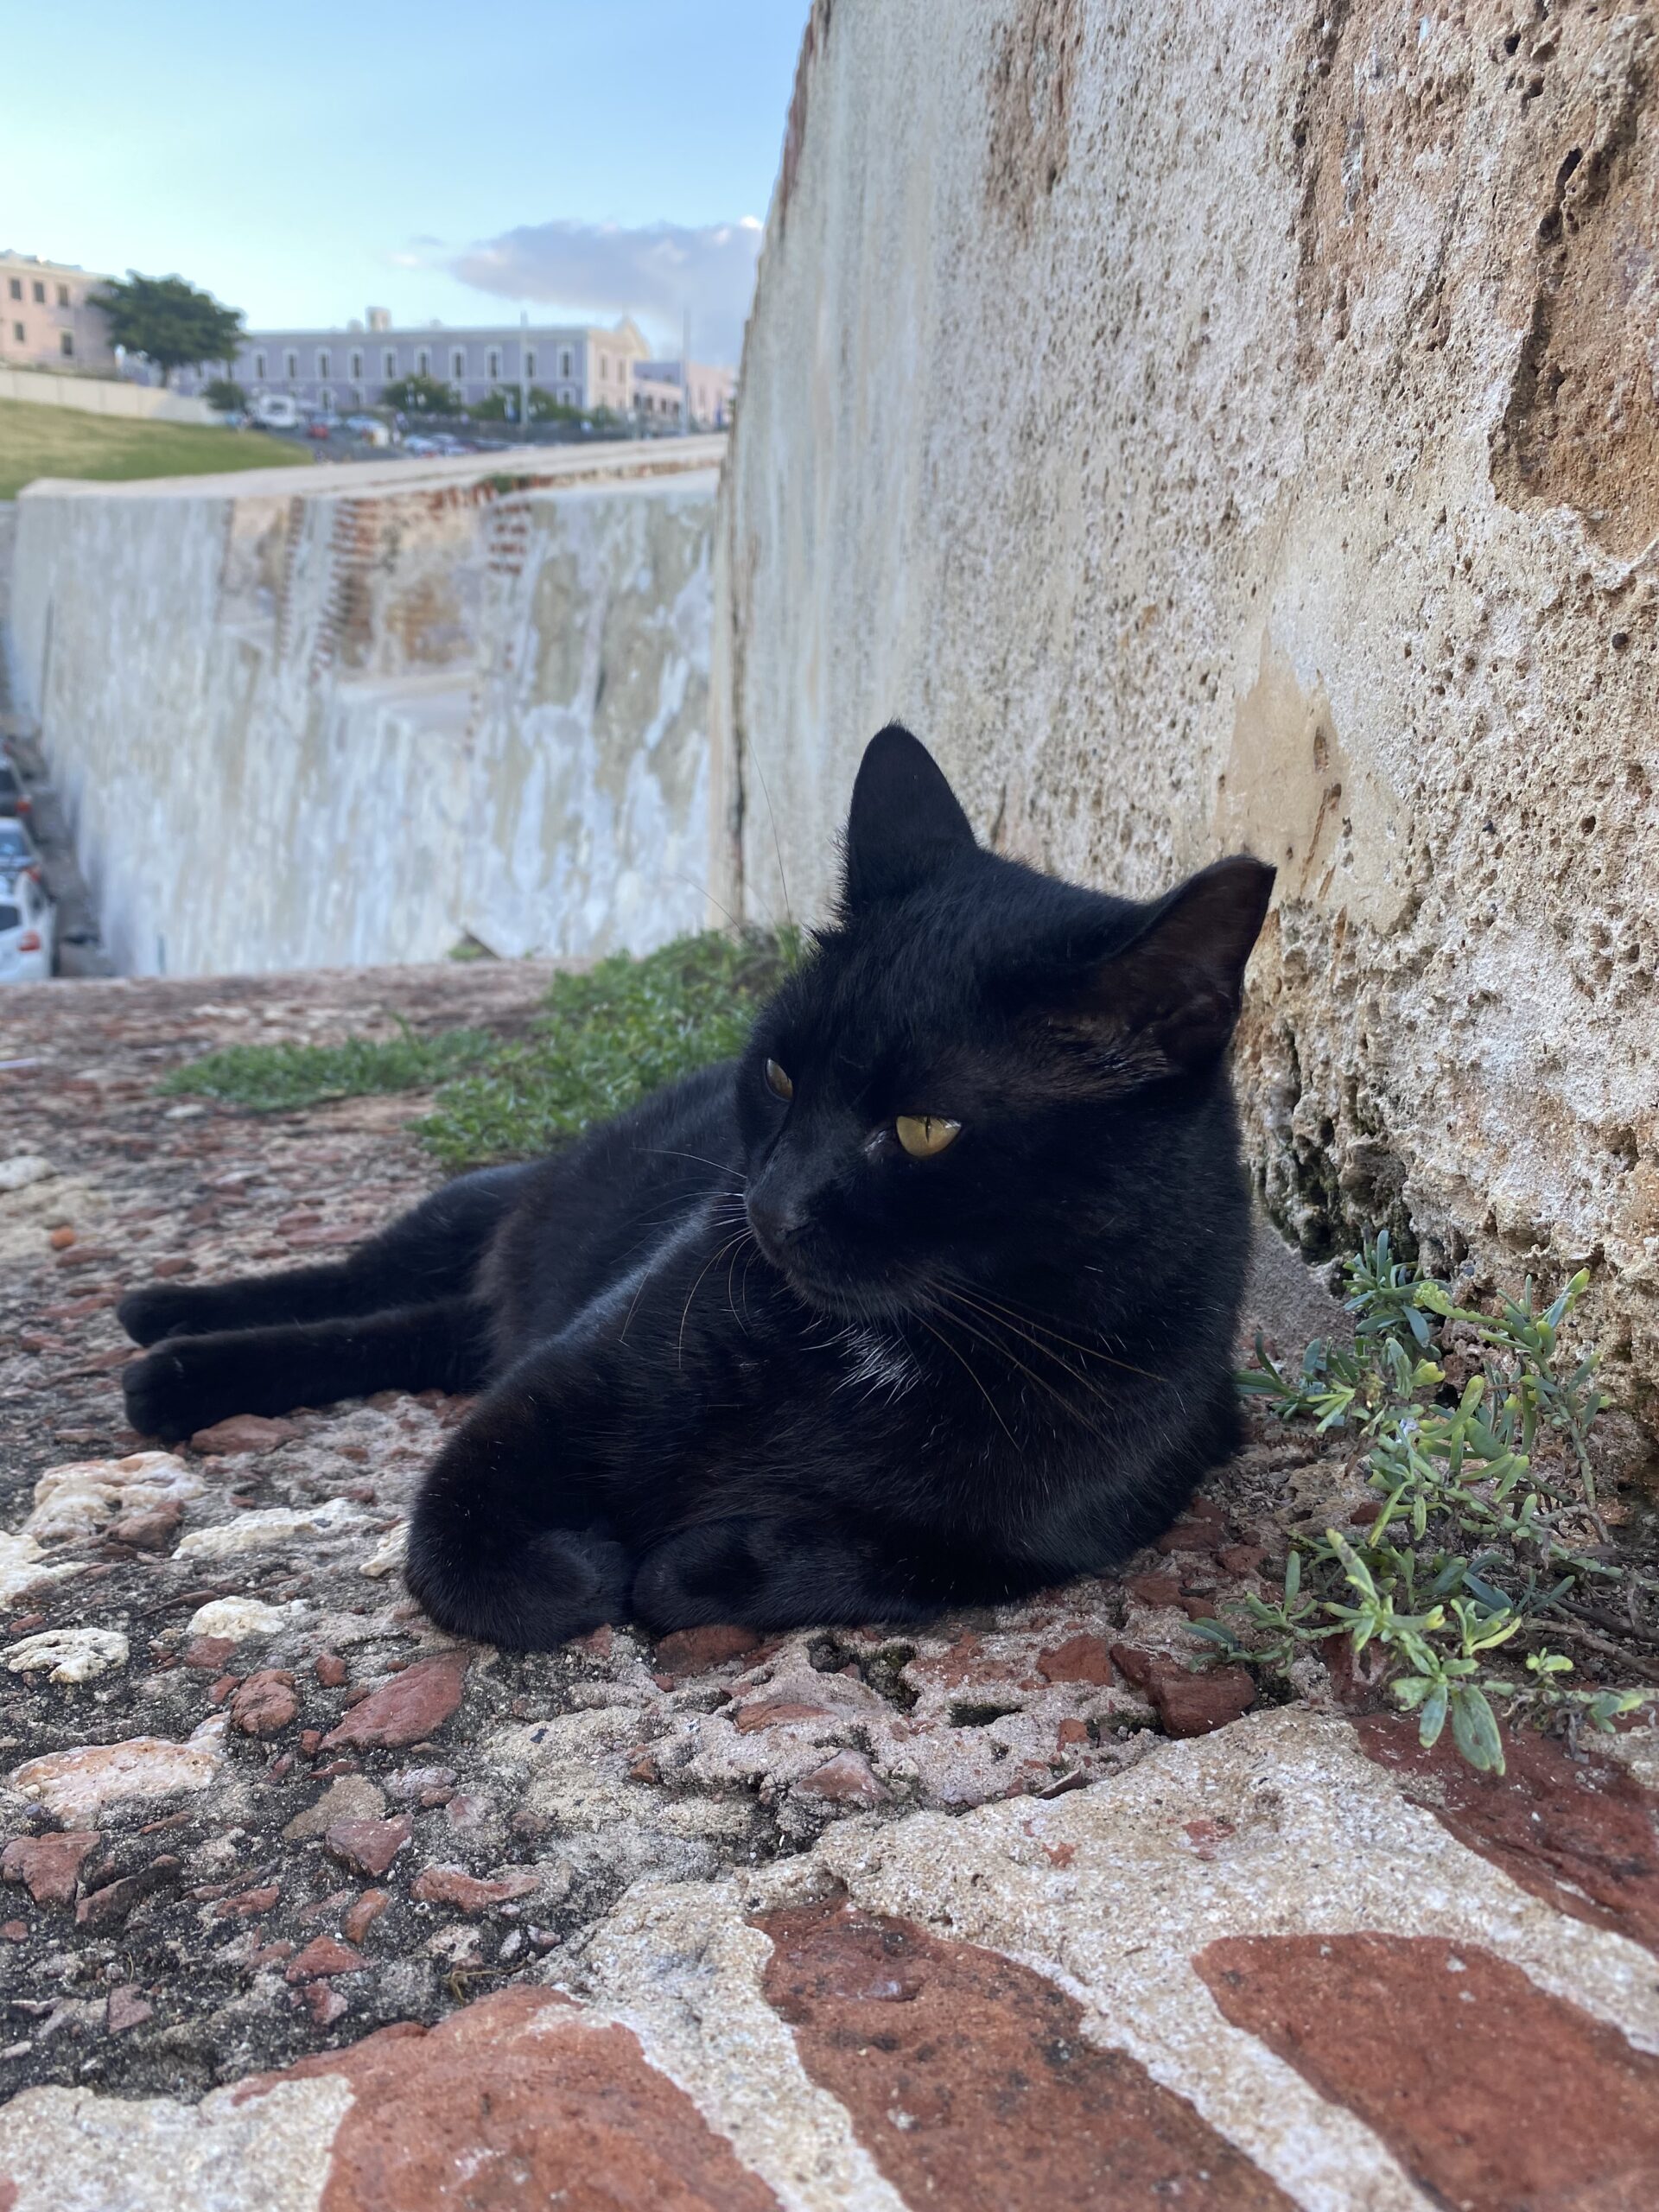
47 318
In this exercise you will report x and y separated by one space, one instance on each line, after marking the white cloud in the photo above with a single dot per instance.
655 273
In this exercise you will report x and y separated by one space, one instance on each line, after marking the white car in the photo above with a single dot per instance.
26 928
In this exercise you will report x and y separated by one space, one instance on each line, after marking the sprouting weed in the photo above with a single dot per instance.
1480 1488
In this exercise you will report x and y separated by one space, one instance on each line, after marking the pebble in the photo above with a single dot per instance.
368 1847
243 1434
68 1654
276 1524
407 1708
48 1865
464 1892
240 1618
77 1783
266 1702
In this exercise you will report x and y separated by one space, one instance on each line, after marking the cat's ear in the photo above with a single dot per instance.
1167 1000
905 823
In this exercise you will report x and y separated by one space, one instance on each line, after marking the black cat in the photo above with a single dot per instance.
927 1300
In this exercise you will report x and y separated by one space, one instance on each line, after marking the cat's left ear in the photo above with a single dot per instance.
1169 999
906 821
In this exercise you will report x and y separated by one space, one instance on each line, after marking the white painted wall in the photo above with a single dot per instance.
303 718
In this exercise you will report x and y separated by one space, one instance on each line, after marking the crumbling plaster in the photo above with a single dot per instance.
1235 425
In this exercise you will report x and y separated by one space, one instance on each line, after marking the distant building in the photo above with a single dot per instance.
49 322
577 366
713 391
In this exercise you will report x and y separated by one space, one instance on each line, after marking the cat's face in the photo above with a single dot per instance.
950 1086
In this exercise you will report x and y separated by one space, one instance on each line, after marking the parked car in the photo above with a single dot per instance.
26 928
275 410
415 443
14 800
17 846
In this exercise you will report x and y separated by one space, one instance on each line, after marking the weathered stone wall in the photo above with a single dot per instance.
1234 424
302 718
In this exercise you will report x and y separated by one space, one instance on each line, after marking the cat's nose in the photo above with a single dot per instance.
777 1221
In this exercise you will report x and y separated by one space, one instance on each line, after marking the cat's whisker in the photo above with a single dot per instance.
685 1311
997 1321
972 1377
668 1152
1046 1388
1089 1351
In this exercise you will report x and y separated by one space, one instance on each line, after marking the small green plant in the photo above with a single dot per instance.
280 1078
1487 1534
604 1039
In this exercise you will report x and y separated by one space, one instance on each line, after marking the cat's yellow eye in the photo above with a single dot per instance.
778 1082
924 1134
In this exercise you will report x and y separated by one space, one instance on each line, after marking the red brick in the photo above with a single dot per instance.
772 1712
1187 1703
1079 1659
971 2084
520 2100
1492 2094
1578 1833
693 1651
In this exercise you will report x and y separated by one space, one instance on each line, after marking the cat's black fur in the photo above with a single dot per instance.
746 1360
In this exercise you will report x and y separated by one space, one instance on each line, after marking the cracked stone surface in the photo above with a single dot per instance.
304 1905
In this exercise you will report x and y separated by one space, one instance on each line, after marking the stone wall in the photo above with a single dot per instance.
349 715
103 395
1235 425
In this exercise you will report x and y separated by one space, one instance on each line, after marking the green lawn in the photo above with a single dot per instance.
37 441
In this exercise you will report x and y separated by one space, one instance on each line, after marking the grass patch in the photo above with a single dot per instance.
36 441
1488 1543
280 1078
605 1039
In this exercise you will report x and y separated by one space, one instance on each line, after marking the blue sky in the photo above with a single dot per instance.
301 161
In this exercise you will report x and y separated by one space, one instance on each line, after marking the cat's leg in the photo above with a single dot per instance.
188 1382
509 1542
795 1571
432 1252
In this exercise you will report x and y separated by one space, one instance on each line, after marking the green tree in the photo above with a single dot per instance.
226 395
169 321
502 406
421 396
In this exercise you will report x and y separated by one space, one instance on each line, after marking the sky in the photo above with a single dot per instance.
582 158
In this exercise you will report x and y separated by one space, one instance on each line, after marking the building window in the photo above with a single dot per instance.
259 367
290 363
564 362
63 295
358 395
492 364
389 363
423 361
67 343
529 362
357 363
326 397
457 364
325 362
16 288
17 332
604 368
40 294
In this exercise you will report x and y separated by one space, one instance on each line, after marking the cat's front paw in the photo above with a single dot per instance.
163 1309
174 1391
